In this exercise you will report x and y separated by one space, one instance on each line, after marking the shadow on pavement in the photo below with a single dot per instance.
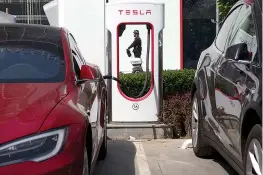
119 160
224 164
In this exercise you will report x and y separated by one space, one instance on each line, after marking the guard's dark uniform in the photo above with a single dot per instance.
137 47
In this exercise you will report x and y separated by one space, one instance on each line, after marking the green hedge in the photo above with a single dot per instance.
177 99
174 81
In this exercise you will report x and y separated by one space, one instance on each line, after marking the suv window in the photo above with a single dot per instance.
222 36
29 54
245 31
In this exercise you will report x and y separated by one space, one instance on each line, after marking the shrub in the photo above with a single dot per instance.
132 84
177 99
177 112
224 6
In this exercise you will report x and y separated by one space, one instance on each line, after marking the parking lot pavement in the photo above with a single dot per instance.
120 159
157 157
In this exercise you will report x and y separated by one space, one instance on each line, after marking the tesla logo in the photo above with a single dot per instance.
232 103
135 12
135 106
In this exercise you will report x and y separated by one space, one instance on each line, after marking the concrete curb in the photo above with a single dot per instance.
139 131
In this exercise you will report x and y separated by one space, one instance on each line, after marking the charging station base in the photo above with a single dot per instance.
139 131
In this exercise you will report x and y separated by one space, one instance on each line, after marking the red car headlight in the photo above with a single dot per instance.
36 148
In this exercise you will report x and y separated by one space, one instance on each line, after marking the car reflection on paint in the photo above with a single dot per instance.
226 93
52 103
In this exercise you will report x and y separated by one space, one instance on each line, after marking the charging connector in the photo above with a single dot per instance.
147 61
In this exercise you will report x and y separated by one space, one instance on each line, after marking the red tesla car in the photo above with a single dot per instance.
52 104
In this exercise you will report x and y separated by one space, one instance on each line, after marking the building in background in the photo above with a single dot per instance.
198 30
26 11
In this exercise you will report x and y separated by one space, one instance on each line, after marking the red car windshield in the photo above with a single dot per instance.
31 54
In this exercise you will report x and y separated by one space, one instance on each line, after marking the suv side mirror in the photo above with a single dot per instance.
238 52
86 73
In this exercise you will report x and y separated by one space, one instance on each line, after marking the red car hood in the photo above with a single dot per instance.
24 107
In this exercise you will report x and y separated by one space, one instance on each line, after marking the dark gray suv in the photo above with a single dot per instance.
227 91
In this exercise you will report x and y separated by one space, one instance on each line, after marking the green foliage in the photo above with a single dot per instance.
177 113
132 84
224 7
174 81
177 81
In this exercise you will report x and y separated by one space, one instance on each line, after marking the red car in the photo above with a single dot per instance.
52 104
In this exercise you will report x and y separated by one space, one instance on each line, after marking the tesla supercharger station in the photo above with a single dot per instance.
123 17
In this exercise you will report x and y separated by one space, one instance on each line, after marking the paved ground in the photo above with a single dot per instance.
157 157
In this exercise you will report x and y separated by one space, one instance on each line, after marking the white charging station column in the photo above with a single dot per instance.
146 108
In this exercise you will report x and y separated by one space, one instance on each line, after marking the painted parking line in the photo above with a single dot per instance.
141 159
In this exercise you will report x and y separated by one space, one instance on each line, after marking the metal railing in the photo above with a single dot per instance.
26 11
32 17
23 1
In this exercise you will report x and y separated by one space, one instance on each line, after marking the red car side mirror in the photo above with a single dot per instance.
86 73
